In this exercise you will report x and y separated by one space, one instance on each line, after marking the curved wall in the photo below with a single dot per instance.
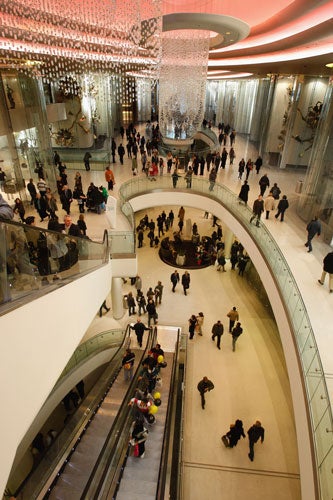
160 198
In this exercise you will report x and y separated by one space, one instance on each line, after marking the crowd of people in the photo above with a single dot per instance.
95 199
147 398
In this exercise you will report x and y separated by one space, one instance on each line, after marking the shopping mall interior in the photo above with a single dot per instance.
195 81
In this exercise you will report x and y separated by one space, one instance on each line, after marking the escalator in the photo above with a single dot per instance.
117 473
97 460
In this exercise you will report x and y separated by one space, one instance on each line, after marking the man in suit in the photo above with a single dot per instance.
66 199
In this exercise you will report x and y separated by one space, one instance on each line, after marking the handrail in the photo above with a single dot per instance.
316 393
35 261
167 444
89 349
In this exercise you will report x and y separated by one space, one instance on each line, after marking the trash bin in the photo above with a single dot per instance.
299 186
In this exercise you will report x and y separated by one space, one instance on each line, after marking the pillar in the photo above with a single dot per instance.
317 194
117 298
228 238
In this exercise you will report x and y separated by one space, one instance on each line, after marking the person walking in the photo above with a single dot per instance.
121 153
200 320
255 433
244 192
233 317
175 178
313 229
186 279
130 304
158 293
269 204
151 310
264 184
258 164
141 301
276 191
128 364
248 168
217 331
86 161
212 179
241 168
32 191
192 323
188 178
236 332
139 329
231 438
174 278
103 306
282 207
327 268
205 385
257 209
113 150
109 177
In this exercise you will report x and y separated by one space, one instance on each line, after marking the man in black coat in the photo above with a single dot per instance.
264 184
186 281
205 385
174 278
313 229
255 433
217 331
66 199
258 208
282 207
139 329
121 153
327 268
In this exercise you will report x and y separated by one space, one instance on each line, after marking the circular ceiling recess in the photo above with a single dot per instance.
229 30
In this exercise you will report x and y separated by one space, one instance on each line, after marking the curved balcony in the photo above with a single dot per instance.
313 413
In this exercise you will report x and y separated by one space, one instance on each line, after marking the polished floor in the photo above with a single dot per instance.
251 383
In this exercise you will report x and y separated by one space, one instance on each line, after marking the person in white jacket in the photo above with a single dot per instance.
269 204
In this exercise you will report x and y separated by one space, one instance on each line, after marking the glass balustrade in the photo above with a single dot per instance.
320 410
104 340
36 260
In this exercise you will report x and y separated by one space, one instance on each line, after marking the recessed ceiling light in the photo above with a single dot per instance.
329 65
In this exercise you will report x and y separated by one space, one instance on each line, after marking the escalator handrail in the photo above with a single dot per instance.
168 425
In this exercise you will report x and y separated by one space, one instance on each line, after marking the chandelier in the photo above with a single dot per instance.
182 83
51 38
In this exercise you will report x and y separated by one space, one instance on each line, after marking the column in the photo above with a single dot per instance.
228 238
117 298
317 195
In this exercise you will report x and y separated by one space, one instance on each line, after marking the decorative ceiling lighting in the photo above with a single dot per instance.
182 83
51 38
187 39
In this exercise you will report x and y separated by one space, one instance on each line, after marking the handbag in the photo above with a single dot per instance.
136 450
225 441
